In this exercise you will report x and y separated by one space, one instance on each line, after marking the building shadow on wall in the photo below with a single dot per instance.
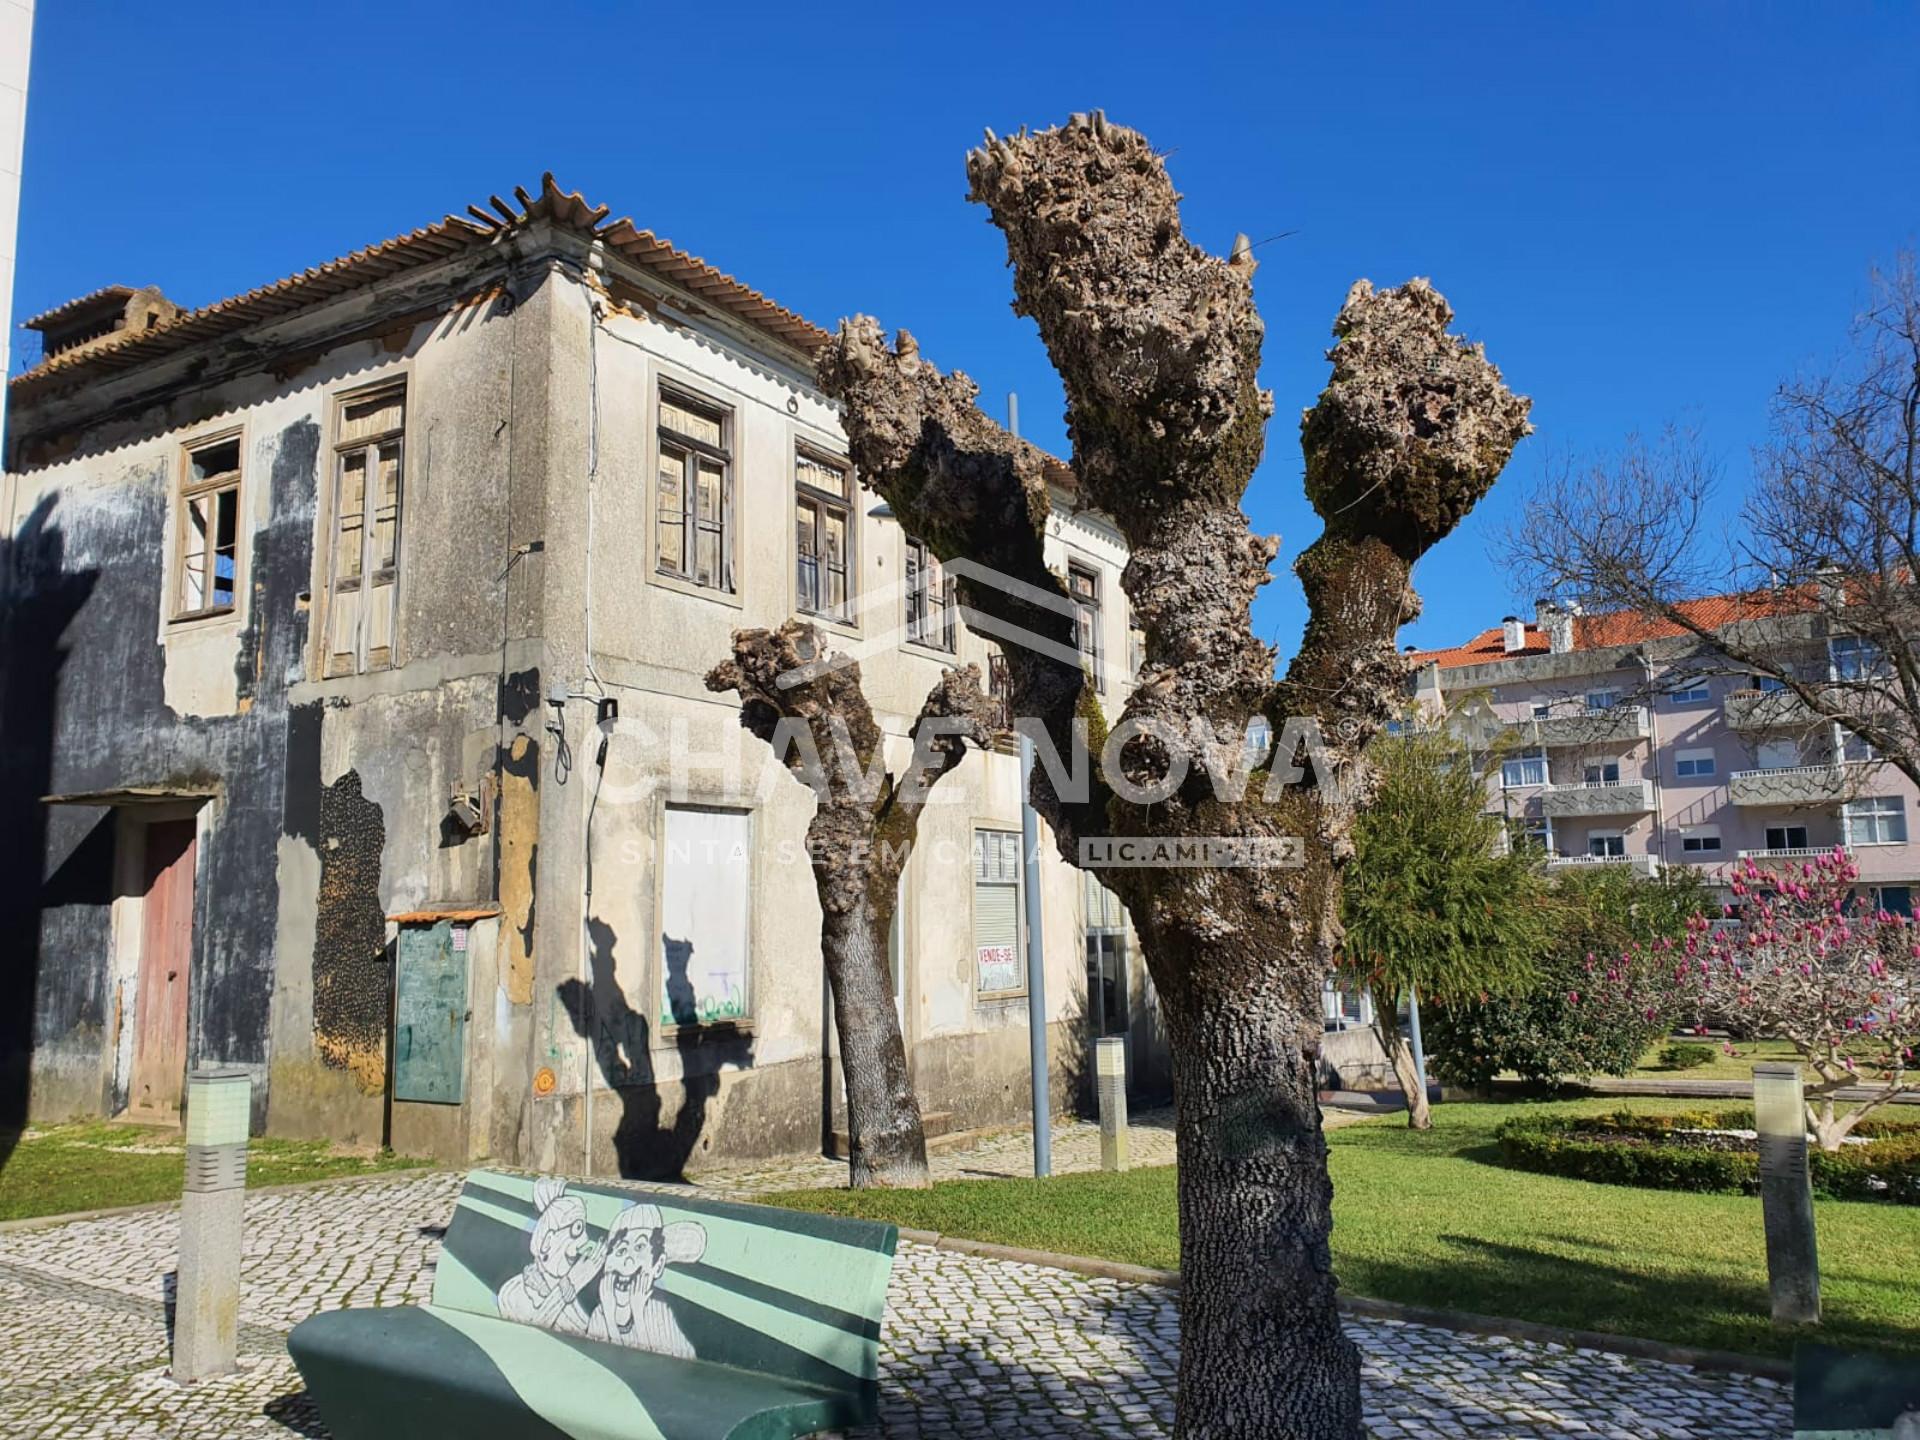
39 597
622 1041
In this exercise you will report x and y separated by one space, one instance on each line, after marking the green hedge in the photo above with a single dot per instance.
1627 1149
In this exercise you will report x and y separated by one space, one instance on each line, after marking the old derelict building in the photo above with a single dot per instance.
354 728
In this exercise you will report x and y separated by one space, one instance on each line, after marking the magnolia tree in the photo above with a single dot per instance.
1814 965
1158 345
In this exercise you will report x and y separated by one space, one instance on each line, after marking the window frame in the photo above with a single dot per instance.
1696 757
1019 885
1690 695
1866 660
1608 839
1587 772
185 491
1692 838
1088 614
822 503
691 449
918 598
1531 752
1610 699
1786 835
665 1030
1878 810
341 449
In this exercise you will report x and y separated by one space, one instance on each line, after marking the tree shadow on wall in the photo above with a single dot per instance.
621 1038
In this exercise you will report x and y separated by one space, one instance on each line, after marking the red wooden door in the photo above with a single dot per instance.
166 952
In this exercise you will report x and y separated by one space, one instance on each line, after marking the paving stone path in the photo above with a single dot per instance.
973 1347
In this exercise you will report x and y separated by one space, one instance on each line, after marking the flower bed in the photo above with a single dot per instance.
1712 1151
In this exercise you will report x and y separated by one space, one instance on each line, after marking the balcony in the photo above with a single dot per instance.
1766 710
1620 725
1787 853
1599 797
1645 866
1803 785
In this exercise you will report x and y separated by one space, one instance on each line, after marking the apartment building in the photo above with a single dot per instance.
1610 741
354 728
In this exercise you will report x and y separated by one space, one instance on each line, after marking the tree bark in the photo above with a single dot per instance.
808 704
1158 344
1386 1025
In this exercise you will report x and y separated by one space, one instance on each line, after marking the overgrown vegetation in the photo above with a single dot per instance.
59 1169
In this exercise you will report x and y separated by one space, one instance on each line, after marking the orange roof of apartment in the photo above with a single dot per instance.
1618 627
413 250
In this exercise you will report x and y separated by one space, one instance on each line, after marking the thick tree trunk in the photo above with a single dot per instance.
1262 1352
883 1114
1386 1025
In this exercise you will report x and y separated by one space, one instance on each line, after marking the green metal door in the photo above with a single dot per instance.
430 1014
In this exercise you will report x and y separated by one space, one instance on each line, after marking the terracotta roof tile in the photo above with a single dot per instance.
79 302
1620 627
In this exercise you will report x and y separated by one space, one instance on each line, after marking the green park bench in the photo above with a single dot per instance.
1853 1395
595 1313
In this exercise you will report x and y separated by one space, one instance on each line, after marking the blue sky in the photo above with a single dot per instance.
1648 213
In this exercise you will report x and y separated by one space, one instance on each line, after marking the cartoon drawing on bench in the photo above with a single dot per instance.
565 1259
640 1245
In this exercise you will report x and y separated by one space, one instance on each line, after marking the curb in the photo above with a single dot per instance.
1720 1361
74 1217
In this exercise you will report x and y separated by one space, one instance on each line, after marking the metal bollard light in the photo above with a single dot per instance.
1786 1194
207 1293
1110 1074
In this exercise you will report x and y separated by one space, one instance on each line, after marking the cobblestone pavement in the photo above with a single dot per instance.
973 1347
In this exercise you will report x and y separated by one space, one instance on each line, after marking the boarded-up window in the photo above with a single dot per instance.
996 913
693 493
368 480
706 886
209 550
929 608
823 530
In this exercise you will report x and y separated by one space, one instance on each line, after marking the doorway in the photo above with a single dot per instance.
165 970
1109 988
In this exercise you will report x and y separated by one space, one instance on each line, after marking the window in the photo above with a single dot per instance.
1778 754
1881 820
1606 844
1105 928
1000 692
1606 772
823 527
209 519
1693 764
1857 658
929 601
1345 1007
1689 695
368 466
1602 699
1083 587
1529 767
1700 840
1768 684
1786 837
693 491
999 964
1540 709
1856 750
1894 899
706 873
1536 835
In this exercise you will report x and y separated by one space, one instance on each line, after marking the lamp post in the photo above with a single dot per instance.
207 1292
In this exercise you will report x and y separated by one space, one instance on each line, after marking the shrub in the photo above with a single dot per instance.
1627 1149
1686 1056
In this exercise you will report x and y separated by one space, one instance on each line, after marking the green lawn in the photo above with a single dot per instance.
1737 1066
1431 1220
61 1168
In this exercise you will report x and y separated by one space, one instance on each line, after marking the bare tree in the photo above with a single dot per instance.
1822 561
1158 344
810 708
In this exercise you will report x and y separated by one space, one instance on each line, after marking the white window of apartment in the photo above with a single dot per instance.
706 890
1768 684
1778 754
207 556
929 599
1855 749
368 468
1083 588
1786 837
823 530
1693 764
1605 772
1602 699
1000 966
693 492
1691 694
1894 899
1700 839
1606 844
1857 658
1537 835
1529 767
1540 709
1878 820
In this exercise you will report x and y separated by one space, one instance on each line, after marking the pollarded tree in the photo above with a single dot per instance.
1436 903
1158 344
810 708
